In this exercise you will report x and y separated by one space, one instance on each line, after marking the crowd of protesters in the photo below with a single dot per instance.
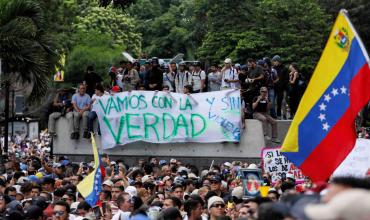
264 85
284 82
35 185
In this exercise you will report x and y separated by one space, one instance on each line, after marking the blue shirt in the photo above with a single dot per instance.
81 101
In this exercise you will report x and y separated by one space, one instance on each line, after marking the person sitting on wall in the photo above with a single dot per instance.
81 105
60 107
99 92
261 105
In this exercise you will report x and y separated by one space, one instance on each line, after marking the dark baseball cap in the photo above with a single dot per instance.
40 202
215 179
32 212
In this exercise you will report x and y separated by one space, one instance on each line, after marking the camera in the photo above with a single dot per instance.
248 80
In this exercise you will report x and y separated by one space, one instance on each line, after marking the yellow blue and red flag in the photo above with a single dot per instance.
323 133
91 186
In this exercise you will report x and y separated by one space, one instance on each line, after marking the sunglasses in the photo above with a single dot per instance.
214 182
263 91
58 213
218 206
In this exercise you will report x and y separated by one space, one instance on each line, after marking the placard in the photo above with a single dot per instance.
275 163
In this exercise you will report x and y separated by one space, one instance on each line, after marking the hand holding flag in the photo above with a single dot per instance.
91 186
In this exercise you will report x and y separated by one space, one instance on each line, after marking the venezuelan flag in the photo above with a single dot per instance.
322 133
91 186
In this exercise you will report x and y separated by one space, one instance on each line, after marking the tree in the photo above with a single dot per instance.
358 10
26 50
225 21
94 49
296 30
113 22
166 26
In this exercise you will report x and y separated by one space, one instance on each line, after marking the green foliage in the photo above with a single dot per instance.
94 49
26 49
296 30
359 12
89 34
166 26
214 29
117 25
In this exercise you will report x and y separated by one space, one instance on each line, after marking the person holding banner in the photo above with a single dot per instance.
198 78
261 105
99 92
182 78
131 78
169 78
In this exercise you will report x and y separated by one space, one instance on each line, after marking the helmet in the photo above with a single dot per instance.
197 63
155 59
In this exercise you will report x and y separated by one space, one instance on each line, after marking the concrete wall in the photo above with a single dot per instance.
196 153
249 148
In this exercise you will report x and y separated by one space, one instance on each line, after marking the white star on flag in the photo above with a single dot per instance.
327 98
322 107
325 126
334 92
97 175
96 181
343 90
322 117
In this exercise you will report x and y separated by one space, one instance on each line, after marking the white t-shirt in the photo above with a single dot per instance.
197 79
121 215
182 79
169 80
230 74
119 82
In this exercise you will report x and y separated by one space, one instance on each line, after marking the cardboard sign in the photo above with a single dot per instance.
162 117
357 162
279 166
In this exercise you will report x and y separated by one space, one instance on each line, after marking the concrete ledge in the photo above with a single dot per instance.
249 147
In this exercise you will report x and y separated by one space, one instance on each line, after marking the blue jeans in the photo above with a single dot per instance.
272 98
90 122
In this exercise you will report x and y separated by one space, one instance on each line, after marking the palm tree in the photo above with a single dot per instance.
26 50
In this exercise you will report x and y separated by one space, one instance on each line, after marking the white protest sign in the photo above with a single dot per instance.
161 117
275 163
357 162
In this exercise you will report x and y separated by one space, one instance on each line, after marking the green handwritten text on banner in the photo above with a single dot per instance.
161 117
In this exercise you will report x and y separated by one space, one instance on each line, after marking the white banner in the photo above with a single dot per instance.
161 117
357 162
